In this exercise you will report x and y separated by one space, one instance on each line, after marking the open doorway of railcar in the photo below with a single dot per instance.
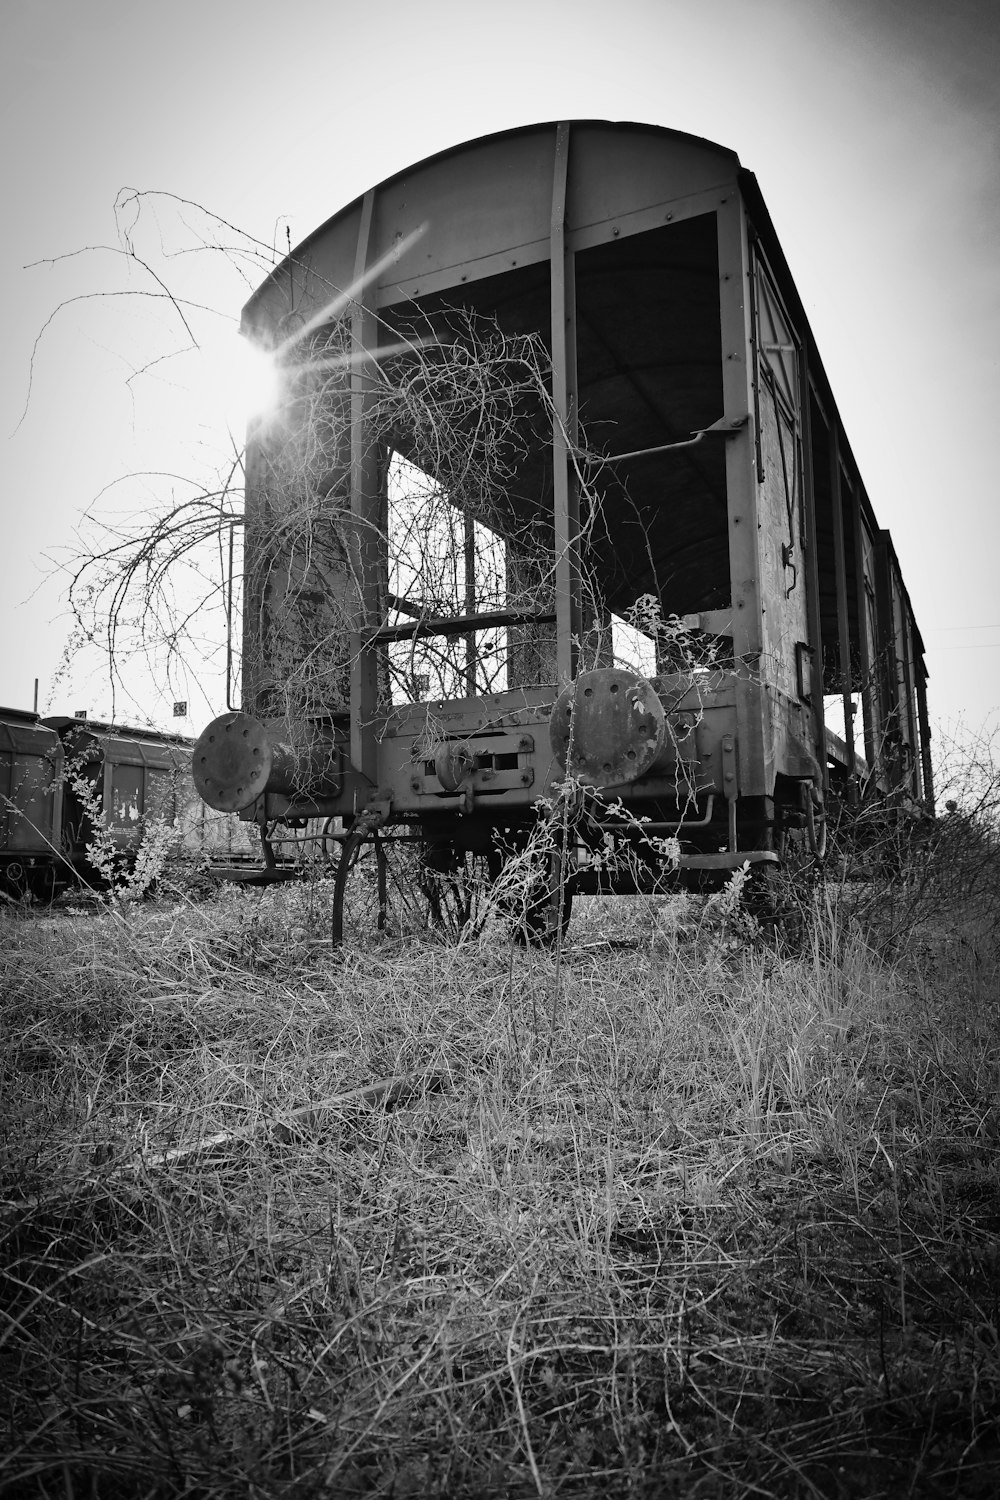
653 523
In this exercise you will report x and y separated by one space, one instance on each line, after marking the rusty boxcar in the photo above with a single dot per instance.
124 776
31 796
558 509
58 773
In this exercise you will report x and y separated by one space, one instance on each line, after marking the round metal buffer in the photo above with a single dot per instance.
231 762
608 727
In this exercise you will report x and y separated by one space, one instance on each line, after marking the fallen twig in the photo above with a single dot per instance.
287 1128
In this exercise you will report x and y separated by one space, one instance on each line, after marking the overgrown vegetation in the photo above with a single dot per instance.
666 1212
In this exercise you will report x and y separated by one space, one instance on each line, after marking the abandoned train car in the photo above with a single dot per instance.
31 802
68 783
558 485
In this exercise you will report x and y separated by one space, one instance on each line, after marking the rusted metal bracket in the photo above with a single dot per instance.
732 861
462 767
730 785
673 825
462 624
723 428
372 816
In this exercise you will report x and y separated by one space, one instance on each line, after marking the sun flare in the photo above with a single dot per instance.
239 379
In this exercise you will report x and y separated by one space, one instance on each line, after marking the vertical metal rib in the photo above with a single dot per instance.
569 613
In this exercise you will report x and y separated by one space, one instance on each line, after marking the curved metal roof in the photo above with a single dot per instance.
484 205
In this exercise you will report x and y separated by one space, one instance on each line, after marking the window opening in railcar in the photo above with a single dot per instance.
649 373
905 683
871 627
161 796
649 363
833 715
491 330
126 795
443 564
634 649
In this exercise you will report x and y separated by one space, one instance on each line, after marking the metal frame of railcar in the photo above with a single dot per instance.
848 632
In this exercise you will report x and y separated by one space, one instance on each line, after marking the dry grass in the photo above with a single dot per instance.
687 1218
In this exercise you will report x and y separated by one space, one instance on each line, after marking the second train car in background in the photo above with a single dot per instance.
63 778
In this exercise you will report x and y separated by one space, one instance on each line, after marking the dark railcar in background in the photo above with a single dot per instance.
715 485
31 799
130 777
124 776
58 774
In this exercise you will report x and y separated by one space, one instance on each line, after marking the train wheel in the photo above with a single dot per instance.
777 903
801 831
540 918
457 883
815 820
390 882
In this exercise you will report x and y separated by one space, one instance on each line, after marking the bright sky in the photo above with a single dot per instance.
873 127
